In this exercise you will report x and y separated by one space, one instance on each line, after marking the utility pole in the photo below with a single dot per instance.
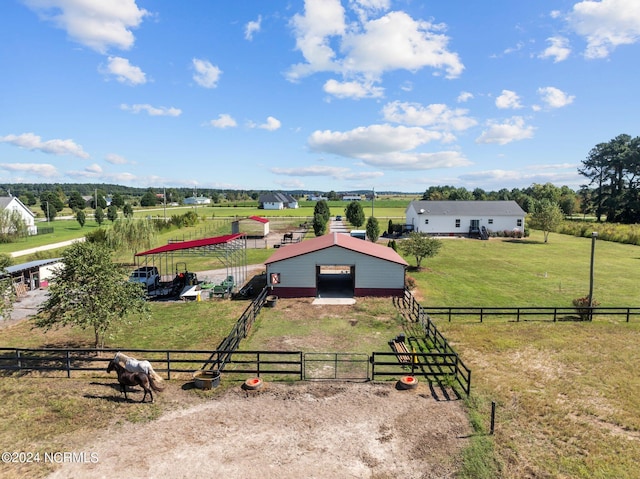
164 196
594 236
373 197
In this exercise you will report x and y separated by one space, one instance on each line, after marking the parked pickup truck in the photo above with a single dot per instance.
147 275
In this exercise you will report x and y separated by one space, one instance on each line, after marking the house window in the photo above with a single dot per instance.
490 221
519 222
426 221
275 278
457 223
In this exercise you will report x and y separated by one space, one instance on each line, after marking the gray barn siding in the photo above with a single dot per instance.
371 272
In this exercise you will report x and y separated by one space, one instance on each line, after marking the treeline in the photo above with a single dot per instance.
613 171
568 200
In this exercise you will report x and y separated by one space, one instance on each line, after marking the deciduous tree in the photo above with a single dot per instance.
355 214
91 292
546 216
373 229
420 246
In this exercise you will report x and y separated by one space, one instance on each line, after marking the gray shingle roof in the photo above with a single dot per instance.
468 208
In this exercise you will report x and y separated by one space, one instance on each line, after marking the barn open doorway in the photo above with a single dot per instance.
335 281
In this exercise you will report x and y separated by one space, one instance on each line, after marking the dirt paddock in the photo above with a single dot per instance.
287 431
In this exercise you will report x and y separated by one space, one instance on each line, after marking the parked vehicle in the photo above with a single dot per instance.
147 275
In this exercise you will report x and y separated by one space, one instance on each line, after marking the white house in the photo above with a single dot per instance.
277 201
351 197
464 218
197 200
12 203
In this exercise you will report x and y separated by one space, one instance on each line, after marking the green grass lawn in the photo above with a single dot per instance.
528 272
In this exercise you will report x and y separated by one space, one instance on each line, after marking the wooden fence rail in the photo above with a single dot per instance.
167 362
537 313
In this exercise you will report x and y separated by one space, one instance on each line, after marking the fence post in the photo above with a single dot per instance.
18 362
373 366
493 416
68 364
258 362
168 365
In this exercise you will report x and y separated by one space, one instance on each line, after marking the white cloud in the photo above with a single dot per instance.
554 97
365 8
290 184
31 141
223 121
271 124
464 96
252 27
206 75
508 99
124 71
418 161
368 48
436 115
540 174
98 25
332 171
152 110
397 41
513 129
558 49
116 159
606 24
376 139
322 19
387 146
43 170
352 89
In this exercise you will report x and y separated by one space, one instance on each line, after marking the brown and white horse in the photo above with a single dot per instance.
127 378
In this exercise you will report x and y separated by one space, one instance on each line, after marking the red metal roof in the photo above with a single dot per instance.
336 239
259 218
192 244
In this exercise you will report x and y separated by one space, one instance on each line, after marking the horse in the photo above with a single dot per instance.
135 366
126 378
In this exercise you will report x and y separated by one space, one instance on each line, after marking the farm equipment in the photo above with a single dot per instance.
185 283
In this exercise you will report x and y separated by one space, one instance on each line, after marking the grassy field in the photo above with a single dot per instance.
567 393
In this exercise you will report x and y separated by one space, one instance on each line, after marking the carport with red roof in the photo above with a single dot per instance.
231 250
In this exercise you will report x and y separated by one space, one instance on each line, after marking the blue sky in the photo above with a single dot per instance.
317 94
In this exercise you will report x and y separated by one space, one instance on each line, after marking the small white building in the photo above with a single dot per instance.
12 203
351 197
464 218
253 226
197 200
335 264
277 201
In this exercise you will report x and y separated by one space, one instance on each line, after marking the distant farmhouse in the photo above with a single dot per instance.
465 218
197 200
12 203
277 201
351 197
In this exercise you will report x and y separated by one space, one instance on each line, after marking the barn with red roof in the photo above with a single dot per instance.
333 265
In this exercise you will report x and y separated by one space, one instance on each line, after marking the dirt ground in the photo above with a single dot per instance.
287 431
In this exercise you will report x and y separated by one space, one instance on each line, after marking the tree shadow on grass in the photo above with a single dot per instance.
523 241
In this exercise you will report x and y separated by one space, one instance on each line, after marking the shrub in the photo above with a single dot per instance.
409 283
582 307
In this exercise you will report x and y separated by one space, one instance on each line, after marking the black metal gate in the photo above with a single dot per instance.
336 366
